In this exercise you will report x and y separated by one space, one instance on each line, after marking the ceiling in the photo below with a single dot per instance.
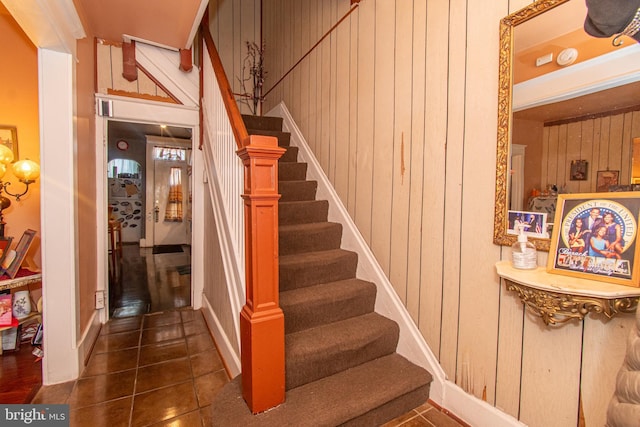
168 23
165 23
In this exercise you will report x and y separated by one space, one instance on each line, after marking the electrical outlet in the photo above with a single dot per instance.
99 300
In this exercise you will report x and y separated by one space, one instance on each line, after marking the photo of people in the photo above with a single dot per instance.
596 236
532 223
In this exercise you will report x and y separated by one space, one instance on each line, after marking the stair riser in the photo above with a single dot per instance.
262 122
309 240
303 212
292 191
291 155
292 171
329 304
337 349
300 275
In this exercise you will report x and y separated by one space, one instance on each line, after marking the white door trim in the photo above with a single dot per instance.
143 111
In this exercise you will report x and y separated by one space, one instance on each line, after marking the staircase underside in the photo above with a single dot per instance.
340 355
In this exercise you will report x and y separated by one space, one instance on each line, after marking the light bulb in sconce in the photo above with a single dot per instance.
6 155
26 170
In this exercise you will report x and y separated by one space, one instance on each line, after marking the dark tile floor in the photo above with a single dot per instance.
161 368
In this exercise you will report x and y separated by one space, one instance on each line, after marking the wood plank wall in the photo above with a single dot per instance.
400 107
606 143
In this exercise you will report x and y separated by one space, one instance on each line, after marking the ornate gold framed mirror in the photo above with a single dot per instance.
552 93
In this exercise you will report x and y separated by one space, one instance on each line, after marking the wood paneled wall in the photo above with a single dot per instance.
606 143
399 105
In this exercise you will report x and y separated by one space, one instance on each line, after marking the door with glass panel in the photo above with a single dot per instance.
171 196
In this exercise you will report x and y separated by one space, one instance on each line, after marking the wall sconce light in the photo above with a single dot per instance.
27 171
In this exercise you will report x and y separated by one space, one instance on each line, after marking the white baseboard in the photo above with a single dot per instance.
227 352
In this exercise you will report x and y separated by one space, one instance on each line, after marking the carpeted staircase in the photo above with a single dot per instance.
341 364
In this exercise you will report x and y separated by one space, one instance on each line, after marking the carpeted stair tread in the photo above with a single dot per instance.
262 122
312 237
302 212
301 270
318 352
291 191
284 138
292 171
313 306
367 395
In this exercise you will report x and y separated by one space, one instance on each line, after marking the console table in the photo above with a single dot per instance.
558 299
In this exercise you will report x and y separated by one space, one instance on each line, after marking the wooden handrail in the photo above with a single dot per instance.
354 5
239 129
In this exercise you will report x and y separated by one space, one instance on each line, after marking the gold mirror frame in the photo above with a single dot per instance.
505 85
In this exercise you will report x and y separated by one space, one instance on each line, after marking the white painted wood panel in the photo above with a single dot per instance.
402 142
414 156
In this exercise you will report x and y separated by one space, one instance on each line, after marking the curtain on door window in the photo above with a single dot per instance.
174 201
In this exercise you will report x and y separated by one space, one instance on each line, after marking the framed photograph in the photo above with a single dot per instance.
5 243
6 316
579 170
605 180
595 237
533 223
9 137
21 252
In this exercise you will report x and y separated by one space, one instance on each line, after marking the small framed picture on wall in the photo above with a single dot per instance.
579 169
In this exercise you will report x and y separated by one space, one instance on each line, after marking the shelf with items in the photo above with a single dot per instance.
557 299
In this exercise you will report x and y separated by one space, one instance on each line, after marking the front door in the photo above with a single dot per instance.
171 207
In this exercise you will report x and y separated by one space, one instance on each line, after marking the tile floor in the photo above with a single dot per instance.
156 369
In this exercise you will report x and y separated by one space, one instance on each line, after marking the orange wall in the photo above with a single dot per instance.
19 107
86 179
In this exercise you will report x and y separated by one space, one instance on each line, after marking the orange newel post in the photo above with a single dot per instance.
261 319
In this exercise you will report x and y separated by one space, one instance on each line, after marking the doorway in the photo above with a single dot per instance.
149 204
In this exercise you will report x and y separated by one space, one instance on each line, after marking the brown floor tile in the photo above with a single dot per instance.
125 324
55 394
163 374
114 361
197 326
199 343
208 386
191 419
162 333
163 404
119 341
162 319
190 315
155 353
419 421
100 388
115 413
439 418
205 362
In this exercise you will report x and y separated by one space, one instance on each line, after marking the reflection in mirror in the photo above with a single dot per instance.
568 112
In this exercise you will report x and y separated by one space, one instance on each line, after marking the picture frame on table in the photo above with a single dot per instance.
534 224
596 237
5 245
20 252
9 137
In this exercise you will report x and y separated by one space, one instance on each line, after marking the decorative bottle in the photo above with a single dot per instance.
21 304
523 253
